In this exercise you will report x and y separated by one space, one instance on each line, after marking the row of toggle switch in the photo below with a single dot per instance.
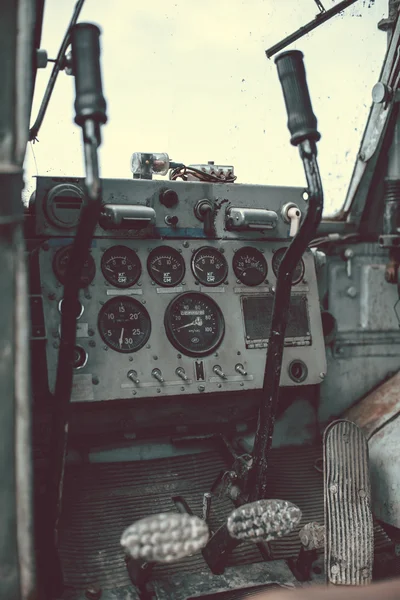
180 371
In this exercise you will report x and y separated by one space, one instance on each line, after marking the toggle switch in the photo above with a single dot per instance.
292 214
132 375
180 371
156 373
218 371
240 369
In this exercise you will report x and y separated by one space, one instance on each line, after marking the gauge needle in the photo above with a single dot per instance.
157 270
121 338
197 321
199 268
109 269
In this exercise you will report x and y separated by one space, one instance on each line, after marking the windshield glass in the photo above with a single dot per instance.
192 79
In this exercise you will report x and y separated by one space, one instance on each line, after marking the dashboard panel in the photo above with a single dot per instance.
181 316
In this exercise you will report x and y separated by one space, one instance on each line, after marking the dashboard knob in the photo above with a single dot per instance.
240 369
156 373
180 371
132 375
218 371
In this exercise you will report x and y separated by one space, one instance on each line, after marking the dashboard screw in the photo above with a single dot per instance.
92 343
95 380
185 244
201 388
91 332
131 359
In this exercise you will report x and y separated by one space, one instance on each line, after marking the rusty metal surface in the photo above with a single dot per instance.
384 448
377 408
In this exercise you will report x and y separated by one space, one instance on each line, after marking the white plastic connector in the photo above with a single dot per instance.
294 216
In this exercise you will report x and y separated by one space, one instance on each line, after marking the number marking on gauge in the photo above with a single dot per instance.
166 266
250 266
121 266
124 324
209 266
194 324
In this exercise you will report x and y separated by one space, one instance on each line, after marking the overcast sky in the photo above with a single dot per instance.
191 78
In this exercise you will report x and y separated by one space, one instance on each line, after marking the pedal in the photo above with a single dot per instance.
165 537
349 534
263 520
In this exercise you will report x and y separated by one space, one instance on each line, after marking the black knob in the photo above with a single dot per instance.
169 198
302 122
90 102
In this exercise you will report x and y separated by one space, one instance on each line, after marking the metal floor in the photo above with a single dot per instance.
101 500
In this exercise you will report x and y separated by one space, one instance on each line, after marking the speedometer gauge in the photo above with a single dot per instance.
121 266
250 266
124 324
298 273
209 266
194 324
166 266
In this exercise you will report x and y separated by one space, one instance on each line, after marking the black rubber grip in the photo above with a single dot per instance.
89 102
302 122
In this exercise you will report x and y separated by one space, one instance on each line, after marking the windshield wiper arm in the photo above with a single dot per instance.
324 16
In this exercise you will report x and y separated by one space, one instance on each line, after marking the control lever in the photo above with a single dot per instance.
204 211
302 125
90 107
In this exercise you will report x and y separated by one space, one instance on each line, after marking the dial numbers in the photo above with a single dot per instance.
166 266
194 324
209 266
124 324
121 266
250 266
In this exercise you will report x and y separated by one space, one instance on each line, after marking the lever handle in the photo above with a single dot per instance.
90 102
302 122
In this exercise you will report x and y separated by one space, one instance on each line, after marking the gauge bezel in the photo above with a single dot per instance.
137 305
106 257
176 255
261 258
220 257
61 277
171 335
275 270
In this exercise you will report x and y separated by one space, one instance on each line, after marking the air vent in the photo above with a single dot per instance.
63 205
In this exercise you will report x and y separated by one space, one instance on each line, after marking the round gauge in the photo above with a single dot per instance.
194 324
298 273
60 262
209 266
124 324
250 266
166 266
121 266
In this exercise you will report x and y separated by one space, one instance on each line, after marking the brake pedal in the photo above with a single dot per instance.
349 533
165 537
263 520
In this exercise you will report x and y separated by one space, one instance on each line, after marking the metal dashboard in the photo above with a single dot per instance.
235 360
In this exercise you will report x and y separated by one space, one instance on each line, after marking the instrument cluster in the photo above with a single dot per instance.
179 317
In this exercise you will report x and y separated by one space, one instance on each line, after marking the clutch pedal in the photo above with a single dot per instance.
349 533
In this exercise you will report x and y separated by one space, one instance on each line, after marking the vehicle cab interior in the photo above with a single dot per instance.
199 358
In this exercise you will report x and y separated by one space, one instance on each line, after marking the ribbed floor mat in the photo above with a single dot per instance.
101 500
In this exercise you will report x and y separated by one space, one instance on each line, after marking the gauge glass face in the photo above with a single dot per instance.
209 266
121 266
250 266
298 273
194 324
124 324
166 266
60 262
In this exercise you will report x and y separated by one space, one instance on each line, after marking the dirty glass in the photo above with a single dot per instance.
191 78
